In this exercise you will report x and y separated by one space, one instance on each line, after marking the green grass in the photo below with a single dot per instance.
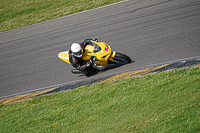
19 13
162 102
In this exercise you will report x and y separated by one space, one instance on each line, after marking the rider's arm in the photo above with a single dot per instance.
87 41
83 67
77 64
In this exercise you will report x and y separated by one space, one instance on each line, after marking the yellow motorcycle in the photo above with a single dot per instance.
101 54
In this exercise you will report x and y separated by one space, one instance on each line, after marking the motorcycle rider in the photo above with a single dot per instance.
75 58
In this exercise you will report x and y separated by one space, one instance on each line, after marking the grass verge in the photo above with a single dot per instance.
161 102
19 13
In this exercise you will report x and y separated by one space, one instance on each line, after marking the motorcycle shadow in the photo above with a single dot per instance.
107 69
118 65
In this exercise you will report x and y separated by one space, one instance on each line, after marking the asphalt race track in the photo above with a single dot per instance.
149 31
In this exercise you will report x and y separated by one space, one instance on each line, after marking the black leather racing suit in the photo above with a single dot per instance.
78 62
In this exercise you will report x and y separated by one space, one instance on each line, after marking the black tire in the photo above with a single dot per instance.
122 58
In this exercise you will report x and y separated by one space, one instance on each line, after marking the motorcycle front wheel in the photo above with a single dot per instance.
121 58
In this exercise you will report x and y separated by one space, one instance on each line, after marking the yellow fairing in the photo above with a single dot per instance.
112 55
100 50
64 56
103 53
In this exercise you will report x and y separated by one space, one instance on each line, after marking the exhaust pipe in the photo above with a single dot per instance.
76 71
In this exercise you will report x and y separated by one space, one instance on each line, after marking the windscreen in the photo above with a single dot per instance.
96 47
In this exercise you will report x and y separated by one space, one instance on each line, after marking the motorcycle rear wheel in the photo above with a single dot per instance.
122 58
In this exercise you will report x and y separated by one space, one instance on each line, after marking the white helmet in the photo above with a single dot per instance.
77 50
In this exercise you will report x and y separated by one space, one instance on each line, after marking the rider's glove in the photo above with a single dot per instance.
96 39
93 59
89 63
